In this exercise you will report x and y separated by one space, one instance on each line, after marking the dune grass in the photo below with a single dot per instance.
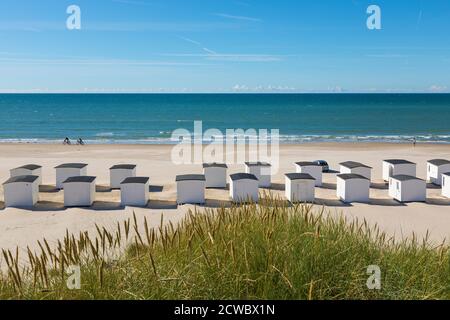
266 251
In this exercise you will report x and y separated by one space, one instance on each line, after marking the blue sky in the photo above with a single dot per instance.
224 46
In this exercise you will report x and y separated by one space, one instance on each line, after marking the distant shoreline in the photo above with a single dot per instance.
281 143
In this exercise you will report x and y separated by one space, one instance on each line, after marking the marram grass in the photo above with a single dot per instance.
266 251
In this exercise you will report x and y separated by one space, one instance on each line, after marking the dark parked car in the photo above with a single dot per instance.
323 164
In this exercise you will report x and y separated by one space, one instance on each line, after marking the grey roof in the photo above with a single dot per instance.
123 166
439 162
353 165
191 177
446 174
398 161
243 176
87 179
404 177
71 165
27 178
138 180
299 176
307 164
349 176
29 167
215 165
258 164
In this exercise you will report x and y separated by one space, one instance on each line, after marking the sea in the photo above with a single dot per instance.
152 118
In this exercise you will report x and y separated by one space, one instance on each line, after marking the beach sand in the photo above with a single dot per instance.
50 219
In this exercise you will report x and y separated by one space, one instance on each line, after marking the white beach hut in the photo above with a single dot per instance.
261 170
68 170
310 168
435 169
79 191
215 174
243 187
21 191
356 168
300 187
446 184
134 191
120 172
406 188
28 170
191 188
393 167
353 187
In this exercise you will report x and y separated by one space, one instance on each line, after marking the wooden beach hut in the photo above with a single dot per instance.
134 191
119 173
352 187
191 188
406 188
79 191
300 187
21 191
244 187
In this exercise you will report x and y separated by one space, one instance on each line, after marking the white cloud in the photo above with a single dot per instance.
233 17
263 89
438 89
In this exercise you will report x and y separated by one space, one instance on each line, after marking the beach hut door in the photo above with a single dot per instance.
300 192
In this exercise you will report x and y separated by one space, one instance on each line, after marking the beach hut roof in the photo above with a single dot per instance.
86 179
307 164
258 164
138 180
350 176
27 178
404 177
398 161
439 162
123 166
215 165
71 165
299 176
353 165
29 167
191 177
243 176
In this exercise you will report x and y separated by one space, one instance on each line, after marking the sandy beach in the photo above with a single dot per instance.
49 219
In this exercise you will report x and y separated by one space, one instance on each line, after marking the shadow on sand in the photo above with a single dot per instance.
156 188
162 205
49 206
46 188
433 186
103 189
386 203
277 186
105 205
332 203
379 185
214 203
438 202
327 185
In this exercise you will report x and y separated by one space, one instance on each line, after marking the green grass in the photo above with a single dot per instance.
267 251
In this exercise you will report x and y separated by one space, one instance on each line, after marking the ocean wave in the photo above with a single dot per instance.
104 138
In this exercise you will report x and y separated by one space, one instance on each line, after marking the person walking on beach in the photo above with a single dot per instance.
80 141
414 142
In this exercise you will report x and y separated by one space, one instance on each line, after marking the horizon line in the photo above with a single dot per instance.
224 92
